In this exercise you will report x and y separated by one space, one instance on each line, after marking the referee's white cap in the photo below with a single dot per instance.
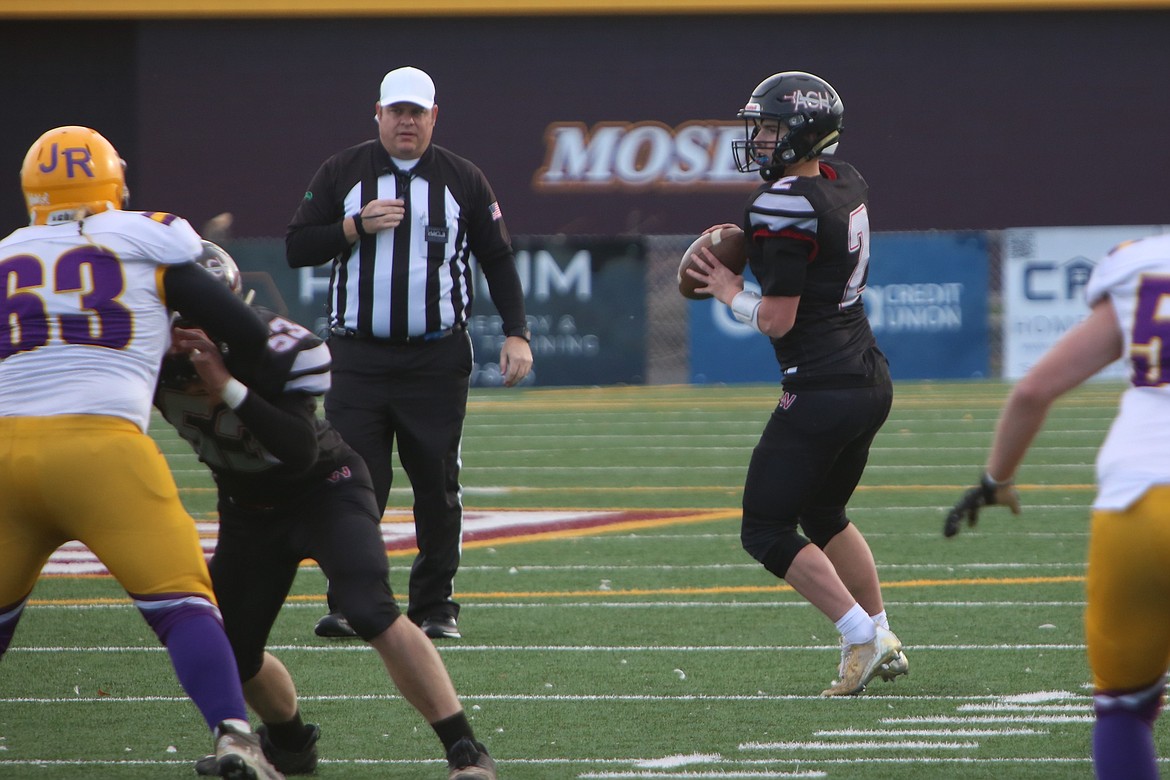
408 85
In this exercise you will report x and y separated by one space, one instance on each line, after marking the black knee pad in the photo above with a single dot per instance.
778 552
249 667
821 530
370 611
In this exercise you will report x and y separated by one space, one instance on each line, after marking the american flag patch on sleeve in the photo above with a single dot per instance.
494 210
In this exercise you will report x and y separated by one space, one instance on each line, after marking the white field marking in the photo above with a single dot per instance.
991 719
1077 565
389 762
735 648
1041 696
1001 534
48 762
687 444
639 537
499 697
349 648
886 439
678 420
982 566
364 762
739 468
910 760
712 467
714 775
1002 707
669 762
316 602
638 447
735 604
929 732
1071 534
891 745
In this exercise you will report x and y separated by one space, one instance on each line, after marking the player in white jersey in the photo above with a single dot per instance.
1128 580
86 304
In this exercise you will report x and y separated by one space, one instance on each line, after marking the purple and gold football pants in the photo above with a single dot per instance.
101 481
1128 589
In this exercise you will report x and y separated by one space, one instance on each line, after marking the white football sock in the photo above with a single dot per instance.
856 626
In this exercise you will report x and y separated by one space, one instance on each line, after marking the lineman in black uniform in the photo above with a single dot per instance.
401 220
808 230
289 489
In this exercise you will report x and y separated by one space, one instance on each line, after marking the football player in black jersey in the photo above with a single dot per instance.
290 489
808 246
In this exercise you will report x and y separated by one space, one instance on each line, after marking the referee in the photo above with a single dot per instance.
402 221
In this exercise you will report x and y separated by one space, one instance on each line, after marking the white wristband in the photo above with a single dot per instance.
746 308
233 393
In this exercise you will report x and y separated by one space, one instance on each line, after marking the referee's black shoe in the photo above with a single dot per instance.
334 626
441 627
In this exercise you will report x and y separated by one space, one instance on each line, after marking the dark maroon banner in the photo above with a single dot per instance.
594 125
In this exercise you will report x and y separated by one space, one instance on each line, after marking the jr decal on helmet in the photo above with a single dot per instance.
69 173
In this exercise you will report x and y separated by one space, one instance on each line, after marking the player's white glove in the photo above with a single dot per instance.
987 493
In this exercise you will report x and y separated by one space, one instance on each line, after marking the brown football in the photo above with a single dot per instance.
729 248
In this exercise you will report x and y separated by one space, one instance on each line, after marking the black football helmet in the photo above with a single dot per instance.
221 265
807 105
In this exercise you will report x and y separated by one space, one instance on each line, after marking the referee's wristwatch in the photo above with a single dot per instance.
523 333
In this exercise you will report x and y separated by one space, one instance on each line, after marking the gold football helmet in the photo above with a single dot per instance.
69 172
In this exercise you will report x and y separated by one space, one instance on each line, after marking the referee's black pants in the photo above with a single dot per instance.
416 394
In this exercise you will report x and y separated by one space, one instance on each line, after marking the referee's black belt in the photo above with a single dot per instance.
435 335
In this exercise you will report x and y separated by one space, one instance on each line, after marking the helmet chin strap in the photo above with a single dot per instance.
775 168
829 140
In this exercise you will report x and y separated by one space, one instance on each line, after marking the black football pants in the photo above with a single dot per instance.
806 466
260 550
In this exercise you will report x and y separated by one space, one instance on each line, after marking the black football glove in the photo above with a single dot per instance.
987 493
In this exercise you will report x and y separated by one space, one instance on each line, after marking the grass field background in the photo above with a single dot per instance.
655 648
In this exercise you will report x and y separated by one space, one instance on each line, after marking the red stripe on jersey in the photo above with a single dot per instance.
790 233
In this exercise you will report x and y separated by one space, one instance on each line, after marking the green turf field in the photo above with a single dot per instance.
654 648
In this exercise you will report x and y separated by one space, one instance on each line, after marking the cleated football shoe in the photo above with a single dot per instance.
238 756
469 760
896 667
292 762
207 766
300 762
862 662
334 626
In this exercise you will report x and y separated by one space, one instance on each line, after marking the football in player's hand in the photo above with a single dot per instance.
728 246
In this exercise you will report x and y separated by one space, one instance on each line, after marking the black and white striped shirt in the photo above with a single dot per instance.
415 279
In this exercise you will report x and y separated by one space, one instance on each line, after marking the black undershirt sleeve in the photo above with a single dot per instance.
200 297
285 426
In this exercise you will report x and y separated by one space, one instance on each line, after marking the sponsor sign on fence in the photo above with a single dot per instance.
926 299
1045 271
